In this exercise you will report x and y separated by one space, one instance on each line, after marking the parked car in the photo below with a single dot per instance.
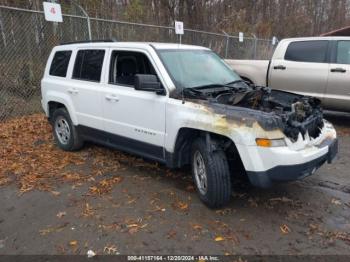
183 105
313 66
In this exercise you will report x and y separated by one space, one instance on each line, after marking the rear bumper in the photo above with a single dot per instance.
285 173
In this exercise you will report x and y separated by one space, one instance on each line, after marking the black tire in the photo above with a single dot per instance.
73 141
218 190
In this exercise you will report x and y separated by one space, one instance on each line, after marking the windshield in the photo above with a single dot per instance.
193 68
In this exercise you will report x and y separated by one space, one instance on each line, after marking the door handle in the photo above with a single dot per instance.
280 67
338 70
73 91
112 98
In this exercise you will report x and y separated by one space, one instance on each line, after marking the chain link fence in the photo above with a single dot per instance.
26 40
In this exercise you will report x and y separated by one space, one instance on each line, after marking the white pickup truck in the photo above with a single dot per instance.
183 105
313 66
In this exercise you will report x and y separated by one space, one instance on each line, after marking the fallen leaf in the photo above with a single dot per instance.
183 206
219 238
114 226
197 227
131 201
285 229
190 188
283 199
4 181
225 211
55 193
133 225
179 205
143 226
104 186
111 250
88 211
171 234
59 228
336 201
61 214
313 227
343 236
73 243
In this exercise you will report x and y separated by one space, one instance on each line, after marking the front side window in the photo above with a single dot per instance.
307 51
343 52
88 65
193 68
60 63
125 65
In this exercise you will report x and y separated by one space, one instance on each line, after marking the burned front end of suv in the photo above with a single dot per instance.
292 140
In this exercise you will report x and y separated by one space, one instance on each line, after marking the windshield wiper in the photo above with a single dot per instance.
236 82
208 86
229 85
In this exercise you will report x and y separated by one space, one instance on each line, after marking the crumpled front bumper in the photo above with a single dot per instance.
301 158
285 173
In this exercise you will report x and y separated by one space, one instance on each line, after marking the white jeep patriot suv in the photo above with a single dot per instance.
182 105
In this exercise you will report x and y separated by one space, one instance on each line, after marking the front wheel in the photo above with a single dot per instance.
211 174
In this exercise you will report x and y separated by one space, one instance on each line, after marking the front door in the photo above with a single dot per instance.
134 120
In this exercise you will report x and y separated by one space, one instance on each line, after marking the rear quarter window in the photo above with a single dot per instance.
88 65
60 63
307 51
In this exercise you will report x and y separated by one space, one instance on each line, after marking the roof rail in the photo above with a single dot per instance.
90 41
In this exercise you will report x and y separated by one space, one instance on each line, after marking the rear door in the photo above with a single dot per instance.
85 87
134 119
337 96
303 70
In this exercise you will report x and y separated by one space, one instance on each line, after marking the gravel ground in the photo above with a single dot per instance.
97 199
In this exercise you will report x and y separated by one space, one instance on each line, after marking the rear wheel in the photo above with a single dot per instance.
65 133
211 174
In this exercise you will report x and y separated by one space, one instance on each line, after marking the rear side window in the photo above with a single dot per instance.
60 63
343 52
88 65
307 51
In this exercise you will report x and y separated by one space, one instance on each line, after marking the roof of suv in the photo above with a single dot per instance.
158 46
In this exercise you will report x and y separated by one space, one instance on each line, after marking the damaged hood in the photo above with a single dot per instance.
293 114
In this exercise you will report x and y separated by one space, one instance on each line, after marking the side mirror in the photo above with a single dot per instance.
148 83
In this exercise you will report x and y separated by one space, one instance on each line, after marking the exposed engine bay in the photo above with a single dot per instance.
298 114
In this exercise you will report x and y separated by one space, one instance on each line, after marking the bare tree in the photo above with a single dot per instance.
283 18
